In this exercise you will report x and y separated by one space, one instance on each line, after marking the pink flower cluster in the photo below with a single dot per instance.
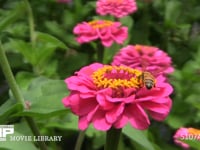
109 96
117 8
107 31
113 95
146 58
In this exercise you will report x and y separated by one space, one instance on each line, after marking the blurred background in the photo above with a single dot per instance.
40 45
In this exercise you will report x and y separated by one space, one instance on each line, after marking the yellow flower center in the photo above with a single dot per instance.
98 24
193 131
145 50
115 1
138 47
142 47
116 77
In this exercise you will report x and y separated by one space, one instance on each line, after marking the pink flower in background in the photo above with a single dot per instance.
186 134
110 96
117 8
64 1
147 58
180 134
107 31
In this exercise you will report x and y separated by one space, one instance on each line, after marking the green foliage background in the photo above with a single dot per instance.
41 48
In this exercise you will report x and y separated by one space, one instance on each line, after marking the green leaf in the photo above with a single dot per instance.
43 55
172 12
110 53
127 21
15 59
18 29
138 136
40 53
184 31
45 97
25 49
192 142
50 40
54 28
67 121
194 100
24 78
8 109
175 121
98 141
12 16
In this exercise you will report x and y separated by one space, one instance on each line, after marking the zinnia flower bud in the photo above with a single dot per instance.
107 31
111 96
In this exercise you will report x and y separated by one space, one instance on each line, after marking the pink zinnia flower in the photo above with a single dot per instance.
117 8
110 96
146 58
107 31
186 134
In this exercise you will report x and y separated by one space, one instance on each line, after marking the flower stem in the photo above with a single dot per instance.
80 140
31 22
36 132
100 52
112 139
17 94
9 77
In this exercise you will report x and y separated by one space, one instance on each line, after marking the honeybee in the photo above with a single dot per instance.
147 79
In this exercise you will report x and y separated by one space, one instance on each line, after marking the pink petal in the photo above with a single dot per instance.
121 35
86 38
88 70
65 101
121 121
137 117
91 114
72 99
99 121
83 123
86 106
161 111
107 43
80 83
79 106
103 99
113 115
129 95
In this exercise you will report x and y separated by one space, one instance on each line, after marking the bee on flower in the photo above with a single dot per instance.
109 96
147 79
